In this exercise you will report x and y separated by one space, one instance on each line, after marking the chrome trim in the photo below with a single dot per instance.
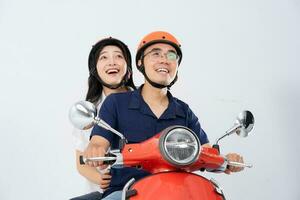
126 187
218 188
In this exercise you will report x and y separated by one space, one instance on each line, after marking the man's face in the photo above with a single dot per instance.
161 62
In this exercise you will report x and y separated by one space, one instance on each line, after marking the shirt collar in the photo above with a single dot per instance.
174 108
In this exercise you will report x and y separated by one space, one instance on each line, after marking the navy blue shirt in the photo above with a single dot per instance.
129 114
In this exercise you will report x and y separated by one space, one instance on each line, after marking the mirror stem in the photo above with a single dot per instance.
229 132
122 143
106 126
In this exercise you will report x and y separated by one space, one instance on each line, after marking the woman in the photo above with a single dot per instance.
110 72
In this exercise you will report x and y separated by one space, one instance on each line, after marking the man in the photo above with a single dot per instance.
141 114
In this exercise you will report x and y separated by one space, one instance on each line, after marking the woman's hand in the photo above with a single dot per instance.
105 180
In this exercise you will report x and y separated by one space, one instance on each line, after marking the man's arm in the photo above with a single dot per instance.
101 139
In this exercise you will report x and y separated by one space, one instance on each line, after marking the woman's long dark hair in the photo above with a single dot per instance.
95 86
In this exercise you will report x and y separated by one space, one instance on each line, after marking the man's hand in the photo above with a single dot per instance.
235 158
94 150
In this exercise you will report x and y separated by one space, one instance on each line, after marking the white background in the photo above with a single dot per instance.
237 55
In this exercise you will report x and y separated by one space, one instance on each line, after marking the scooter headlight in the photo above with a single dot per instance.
179 145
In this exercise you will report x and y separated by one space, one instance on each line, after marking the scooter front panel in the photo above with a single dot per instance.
175 186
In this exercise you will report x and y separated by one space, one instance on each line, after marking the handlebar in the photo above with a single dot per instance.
238 164
108 159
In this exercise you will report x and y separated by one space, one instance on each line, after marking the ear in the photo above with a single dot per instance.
139 62
128 74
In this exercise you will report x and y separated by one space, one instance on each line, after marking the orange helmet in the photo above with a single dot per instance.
158 37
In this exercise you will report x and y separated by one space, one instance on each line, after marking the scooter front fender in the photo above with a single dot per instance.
175 186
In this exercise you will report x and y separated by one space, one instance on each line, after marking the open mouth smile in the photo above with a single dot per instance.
112 71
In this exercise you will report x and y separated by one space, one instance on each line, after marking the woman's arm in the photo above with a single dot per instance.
92 174
88 172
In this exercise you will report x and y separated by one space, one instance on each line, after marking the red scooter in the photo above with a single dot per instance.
170 156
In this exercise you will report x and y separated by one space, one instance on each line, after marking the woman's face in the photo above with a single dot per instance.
111 65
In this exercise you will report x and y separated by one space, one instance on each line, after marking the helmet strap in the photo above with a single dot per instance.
156 85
